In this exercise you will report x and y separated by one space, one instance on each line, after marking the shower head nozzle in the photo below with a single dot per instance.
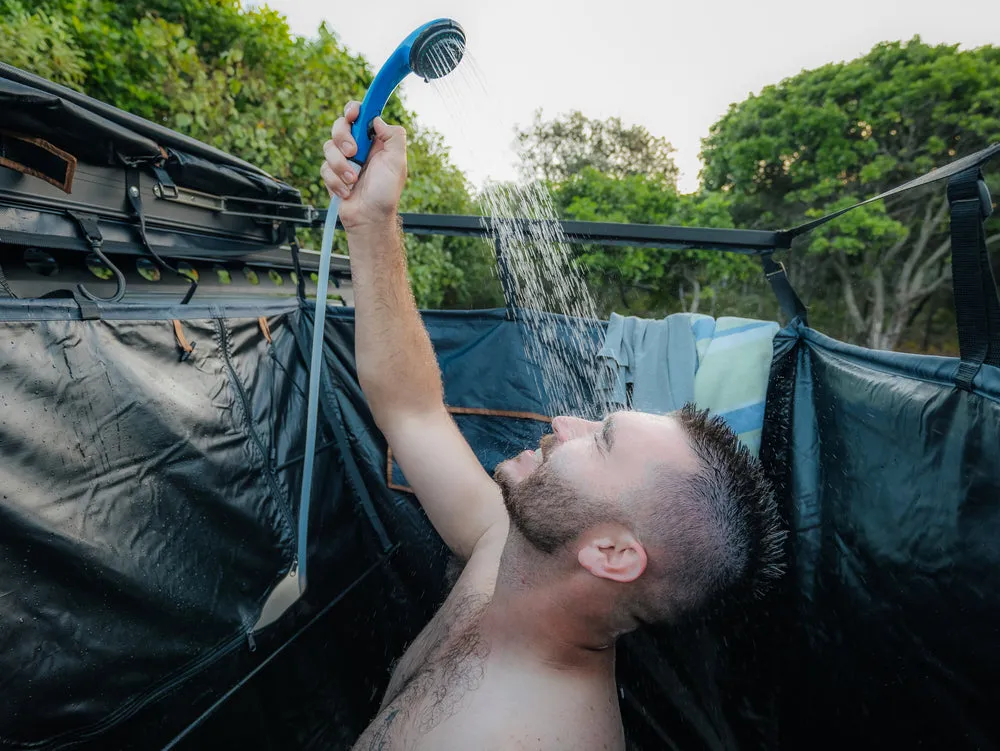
438 49
431 51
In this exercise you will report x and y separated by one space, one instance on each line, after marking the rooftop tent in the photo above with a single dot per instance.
150 466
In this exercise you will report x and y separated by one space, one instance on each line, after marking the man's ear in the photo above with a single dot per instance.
618 557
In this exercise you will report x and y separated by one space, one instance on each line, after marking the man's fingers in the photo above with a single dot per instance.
334 184
351 110
389 134
338 162
340 134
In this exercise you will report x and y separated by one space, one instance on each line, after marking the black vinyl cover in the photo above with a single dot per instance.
148 508
142 522
64 151
33 213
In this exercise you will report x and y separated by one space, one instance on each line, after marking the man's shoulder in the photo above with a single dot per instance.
479 573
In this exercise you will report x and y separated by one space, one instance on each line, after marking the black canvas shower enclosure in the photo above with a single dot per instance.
151 438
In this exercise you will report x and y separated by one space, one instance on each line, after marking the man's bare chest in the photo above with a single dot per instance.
434 677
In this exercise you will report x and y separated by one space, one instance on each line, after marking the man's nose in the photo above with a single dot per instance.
566 428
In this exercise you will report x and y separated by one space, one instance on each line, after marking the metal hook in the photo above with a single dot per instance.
92 232
119 278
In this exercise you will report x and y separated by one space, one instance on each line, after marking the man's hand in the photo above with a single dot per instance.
370 200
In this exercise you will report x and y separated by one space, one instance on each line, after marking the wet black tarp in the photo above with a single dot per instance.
891 628
149 506
145 517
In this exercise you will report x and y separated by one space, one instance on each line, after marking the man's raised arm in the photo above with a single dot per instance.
396 364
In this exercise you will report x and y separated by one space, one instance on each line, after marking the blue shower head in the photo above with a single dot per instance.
431 51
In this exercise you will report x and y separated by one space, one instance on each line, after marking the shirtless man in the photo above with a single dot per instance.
605 527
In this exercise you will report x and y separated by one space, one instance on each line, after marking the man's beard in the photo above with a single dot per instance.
543 507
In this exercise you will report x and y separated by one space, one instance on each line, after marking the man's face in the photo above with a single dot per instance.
580 474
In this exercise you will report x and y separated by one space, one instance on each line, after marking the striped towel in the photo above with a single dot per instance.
720 364
734 363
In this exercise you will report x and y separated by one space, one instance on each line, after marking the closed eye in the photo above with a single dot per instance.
608 433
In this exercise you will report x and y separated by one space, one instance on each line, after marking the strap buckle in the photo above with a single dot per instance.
90 229
778 271
970 186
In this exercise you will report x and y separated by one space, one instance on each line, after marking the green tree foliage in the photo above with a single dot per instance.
602 171
237 79
839 134
41 42
556 150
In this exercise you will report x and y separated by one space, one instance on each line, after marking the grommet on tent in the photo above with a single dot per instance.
187 349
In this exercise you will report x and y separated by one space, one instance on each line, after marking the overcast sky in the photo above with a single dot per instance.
672 67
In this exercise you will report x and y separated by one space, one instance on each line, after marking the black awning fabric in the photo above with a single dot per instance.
150 130
86 135
99 134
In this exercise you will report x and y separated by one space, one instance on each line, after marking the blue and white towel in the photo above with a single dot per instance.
719 364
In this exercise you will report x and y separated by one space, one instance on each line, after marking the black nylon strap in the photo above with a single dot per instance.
790 303
972 161
88 308
977 308
166 184
300 285
133 194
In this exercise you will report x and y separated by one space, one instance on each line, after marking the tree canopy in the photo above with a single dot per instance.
605 171
238 79
556 150
844 132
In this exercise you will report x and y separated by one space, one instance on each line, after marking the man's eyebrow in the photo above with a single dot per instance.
608 432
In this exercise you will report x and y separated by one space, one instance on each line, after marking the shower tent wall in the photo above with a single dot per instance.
151 462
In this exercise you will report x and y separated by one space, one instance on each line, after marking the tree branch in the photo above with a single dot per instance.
898 246
933 286
928 226
917 310
852 304
695 296
918 277
876 327
936 256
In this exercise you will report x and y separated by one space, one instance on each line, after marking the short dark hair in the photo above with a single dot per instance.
717 530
